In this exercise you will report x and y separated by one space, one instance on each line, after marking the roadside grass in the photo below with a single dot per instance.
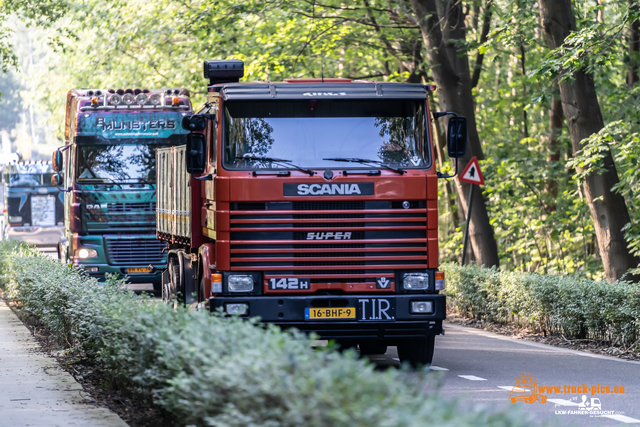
557 305
211 370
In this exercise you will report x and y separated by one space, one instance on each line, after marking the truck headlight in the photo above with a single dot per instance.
421 307
236 309
240 283
415 281
86 253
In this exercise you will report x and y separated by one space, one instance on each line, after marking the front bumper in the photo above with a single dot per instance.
102 269
289 312
37 235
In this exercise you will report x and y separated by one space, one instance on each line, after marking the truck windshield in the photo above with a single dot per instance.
28 174
117 163
306 132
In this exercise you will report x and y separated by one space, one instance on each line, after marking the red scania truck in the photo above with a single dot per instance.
311 204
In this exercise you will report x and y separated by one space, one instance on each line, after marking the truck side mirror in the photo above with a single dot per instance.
57 161
57 180
195 153
457 137
194 123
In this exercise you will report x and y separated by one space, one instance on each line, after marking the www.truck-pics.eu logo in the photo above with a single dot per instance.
343 189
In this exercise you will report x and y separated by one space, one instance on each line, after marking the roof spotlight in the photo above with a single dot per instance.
155 99
90 93
141 98
128 98
176 91
115 99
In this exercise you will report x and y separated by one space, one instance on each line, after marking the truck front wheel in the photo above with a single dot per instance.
418 352
369 348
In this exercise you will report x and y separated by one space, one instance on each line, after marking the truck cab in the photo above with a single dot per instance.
33 209
107 173
311 204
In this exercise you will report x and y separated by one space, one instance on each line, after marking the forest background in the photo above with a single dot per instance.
550 88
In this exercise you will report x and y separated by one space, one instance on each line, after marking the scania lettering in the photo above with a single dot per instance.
309 210
107 172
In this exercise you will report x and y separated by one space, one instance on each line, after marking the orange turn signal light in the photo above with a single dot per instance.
216 277
439 275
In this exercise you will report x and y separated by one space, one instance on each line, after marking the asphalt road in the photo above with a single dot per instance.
482 367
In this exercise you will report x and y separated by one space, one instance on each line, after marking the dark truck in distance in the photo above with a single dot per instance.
107 171
33 210
311 204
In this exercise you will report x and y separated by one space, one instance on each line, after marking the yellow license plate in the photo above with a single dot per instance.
139 270
330 313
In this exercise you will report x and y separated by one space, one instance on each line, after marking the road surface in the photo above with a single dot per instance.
482 368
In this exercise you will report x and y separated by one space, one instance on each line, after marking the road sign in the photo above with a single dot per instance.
471 174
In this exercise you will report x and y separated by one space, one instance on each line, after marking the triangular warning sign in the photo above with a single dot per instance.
471 174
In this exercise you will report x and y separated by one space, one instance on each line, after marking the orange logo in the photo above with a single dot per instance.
526 389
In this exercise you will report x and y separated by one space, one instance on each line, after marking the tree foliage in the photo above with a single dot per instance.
162 43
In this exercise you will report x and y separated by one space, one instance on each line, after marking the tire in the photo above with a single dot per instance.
345 344
417 352
173 287
531 399
512 399
542 399
368 348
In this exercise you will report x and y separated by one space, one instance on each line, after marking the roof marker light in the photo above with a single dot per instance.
128 98
155 99
175 101
115 99
94 102
141 98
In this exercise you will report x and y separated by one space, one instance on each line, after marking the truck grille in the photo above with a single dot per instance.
329 241
140 252
144 208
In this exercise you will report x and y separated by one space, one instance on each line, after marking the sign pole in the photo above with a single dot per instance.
466 226
471 175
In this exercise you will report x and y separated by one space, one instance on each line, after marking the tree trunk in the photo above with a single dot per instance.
555 130
451 74
634 49
584 118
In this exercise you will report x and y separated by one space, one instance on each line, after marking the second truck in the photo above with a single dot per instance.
107 171
311 204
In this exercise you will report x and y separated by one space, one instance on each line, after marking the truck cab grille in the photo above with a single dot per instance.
329 241
138 252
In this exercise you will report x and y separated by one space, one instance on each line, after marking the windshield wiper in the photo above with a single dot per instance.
274 160
365 161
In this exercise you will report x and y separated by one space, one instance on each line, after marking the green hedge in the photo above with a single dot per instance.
576 308
210 370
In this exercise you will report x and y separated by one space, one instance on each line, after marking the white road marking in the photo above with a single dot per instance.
622 418
437 368
562 402
472 378
509 388
537 344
